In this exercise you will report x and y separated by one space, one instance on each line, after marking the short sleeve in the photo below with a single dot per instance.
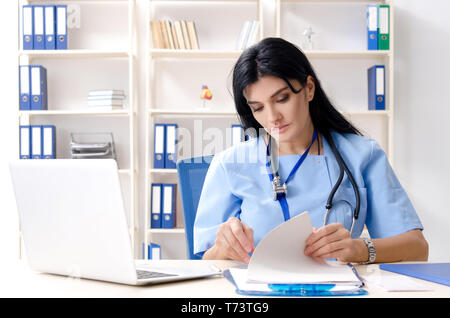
389 211
216 205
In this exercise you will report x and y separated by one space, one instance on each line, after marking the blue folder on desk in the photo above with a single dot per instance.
434 272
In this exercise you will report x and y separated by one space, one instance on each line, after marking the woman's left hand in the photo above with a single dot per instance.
334 241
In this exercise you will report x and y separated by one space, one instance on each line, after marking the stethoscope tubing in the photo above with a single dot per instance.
342 167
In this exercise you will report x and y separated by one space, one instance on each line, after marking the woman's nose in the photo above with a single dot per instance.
273 116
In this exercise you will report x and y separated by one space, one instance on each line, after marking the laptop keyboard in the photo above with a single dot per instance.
148 274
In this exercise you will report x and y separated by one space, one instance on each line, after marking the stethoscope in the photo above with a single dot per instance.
280 190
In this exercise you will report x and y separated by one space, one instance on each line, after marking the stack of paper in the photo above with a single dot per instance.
279 266
106 99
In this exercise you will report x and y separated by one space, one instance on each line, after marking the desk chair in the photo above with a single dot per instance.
191 175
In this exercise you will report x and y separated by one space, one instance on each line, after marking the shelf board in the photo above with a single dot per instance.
167 231
90 1
162 111
367 113
74 113
234 113
209 1
74 54
347 54
125 171
339 1
163 171
203 54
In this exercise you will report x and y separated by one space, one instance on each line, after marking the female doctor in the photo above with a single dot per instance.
279 97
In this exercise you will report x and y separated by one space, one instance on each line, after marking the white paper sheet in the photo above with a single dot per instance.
397 283
279 258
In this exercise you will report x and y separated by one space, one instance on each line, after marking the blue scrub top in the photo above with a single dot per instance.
237 185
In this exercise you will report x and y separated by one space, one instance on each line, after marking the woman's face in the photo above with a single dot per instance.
281 112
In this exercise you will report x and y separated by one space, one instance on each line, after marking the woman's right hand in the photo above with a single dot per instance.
234 240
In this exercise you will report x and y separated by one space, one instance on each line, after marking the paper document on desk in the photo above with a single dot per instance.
279 259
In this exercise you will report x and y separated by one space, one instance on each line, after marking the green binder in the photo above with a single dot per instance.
383 27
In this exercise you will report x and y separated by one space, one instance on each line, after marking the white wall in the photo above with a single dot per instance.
422 48
422 118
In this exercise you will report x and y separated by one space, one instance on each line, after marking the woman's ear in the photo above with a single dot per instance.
311 88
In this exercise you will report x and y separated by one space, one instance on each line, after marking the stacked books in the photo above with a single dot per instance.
177 35
248 35
106 99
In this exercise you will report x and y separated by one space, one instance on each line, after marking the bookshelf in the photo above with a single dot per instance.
115 49
216 47
92 56
331 17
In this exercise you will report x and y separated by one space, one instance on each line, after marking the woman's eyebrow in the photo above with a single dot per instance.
273 95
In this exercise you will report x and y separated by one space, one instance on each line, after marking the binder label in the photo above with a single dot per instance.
156 201
24 142
36 142
372 22
27 24
36 82
48 141
61 25
24 82
384 20
167 206
380 81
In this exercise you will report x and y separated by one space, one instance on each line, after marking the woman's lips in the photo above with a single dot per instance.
281 129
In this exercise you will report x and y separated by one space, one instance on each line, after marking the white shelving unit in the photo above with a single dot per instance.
168 73
61 112
385 57
188 113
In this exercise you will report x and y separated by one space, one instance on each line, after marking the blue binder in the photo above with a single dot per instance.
433 272
49 14
61 27
169 206
38 76
48 142
25 142
154 251
36 142
159 146
170 151
372 27
27 27
155 205
24 88
38 34
376 87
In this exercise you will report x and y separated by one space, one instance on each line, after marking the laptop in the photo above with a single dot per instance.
74 223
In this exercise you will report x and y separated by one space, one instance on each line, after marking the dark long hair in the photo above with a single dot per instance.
280 58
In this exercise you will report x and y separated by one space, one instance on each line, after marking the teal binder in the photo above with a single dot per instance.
433 272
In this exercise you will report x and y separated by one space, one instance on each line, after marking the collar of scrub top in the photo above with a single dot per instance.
280 191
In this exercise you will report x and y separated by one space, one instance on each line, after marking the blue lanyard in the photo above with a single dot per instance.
281 197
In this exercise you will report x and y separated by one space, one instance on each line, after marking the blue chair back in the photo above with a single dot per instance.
191 176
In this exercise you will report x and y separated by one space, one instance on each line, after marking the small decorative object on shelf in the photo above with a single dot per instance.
307 43
205 95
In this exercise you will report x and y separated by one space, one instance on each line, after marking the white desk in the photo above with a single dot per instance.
17 280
